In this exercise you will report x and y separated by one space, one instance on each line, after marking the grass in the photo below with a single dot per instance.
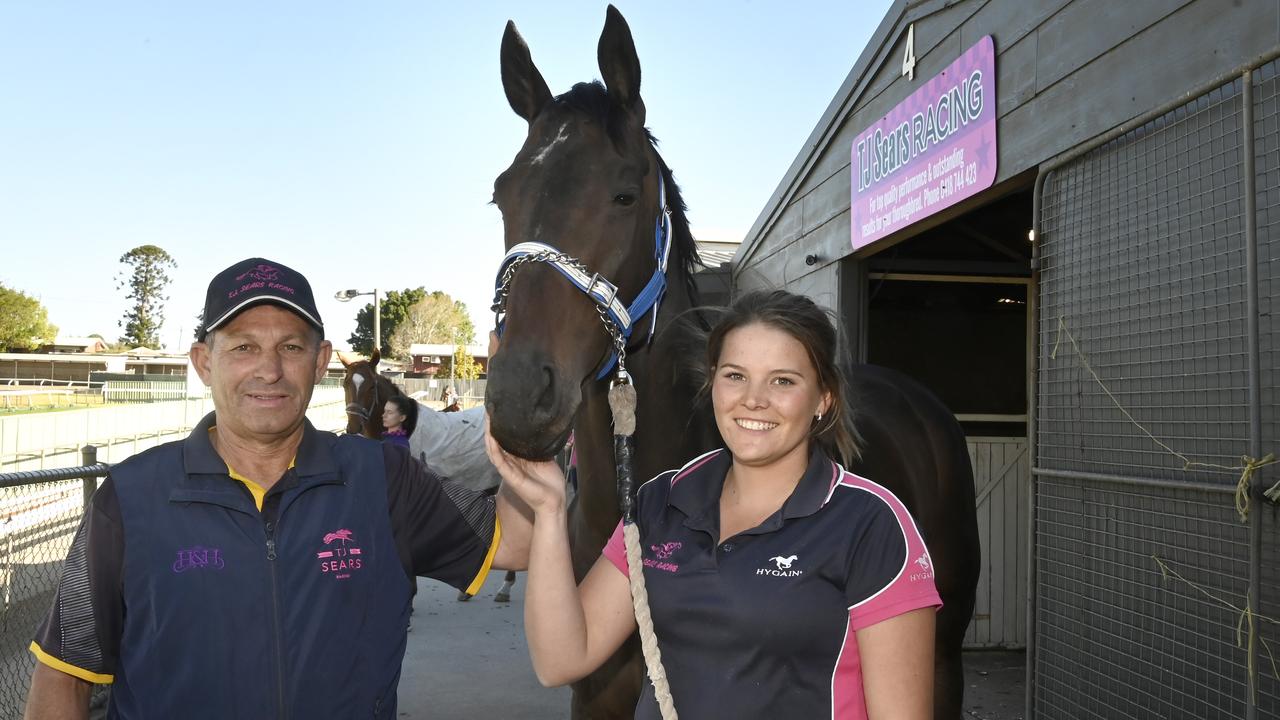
14 404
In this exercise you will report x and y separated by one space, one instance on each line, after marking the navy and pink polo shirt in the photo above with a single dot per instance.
763 624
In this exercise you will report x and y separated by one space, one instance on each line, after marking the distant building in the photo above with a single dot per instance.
73 344
713 279
77 366
436 359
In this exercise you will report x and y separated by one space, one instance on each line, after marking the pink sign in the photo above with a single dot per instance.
933 150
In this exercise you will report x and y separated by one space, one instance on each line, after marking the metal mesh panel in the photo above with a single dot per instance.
1269 607
37 523
1116 638
1142 262
1266 97
1143 259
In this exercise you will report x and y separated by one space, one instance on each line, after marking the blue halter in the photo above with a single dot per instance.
619 319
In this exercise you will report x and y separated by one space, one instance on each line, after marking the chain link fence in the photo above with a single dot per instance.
39 513
41 509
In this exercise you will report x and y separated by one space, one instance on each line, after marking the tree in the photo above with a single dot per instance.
24 322
465 366
395 308
146 280
436 318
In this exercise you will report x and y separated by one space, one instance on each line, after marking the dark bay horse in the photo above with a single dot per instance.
584 197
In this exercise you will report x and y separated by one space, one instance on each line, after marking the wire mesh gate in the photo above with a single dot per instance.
1156 375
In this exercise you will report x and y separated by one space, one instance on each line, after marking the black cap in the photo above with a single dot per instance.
253 282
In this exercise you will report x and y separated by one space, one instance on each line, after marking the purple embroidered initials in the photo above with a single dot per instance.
198 557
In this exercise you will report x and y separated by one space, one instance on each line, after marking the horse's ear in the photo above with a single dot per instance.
345 362
619 65
526 90
374 358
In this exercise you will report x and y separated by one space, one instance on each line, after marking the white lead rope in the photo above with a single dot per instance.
622 404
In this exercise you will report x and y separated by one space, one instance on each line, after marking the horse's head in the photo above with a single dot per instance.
586 183
364 401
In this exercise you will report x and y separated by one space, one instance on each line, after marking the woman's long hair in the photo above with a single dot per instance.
811 326
408 407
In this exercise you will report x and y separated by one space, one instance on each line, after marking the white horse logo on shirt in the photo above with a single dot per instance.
783 562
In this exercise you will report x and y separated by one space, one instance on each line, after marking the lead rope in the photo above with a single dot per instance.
622 403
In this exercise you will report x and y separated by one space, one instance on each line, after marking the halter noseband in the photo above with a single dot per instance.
618 319
359 410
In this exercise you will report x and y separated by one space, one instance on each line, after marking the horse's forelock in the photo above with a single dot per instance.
592 100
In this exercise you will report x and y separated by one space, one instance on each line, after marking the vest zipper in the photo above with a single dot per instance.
275 620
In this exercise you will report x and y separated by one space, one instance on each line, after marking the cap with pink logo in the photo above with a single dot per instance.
253 282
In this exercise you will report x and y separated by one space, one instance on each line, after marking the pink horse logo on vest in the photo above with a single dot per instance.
344 535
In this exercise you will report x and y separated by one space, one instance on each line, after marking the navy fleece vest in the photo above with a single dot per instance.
295 612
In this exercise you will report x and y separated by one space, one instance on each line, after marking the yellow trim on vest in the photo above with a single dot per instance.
478 581
68 668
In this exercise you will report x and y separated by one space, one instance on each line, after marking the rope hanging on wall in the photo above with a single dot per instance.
1247 467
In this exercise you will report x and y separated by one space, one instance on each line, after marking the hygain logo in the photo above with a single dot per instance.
923 568
781 567
340 559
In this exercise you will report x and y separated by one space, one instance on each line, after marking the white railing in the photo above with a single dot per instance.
40 440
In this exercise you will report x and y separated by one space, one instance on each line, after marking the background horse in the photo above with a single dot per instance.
454 442
367 394
587 182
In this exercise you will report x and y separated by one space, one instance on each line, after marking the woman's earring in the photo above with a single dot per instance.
819 418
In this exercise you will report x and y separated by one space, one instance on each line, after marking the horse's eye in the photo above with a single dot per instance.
625 199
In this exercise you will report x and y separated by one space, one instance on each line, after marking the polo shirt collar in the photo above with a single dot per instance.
199 457
696 491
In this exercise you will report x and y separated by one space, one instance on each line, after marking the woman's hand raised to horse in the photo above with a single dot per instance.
539 483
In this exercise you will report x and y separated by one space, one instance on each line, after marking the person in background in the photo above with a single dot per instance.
452 401
260 568
780 584
399 417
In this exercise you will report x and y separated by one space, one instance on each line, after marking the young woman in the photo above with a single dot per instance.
780 584
399 417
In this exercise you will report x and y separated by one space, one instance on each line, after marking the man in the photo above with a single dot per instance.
260 568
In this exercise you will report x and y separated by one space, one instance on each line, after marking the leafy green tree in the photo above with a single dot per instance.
436 318
465 366
395 308
146 278
24 322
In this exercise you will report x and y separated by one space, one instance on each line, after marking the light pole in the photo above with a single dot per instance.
347 295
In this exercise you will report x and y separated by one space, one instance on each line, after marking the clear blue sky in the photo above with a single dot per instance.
358 142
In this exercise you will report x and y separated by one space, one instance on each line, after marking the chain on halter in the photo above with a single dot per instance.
618 319
561 261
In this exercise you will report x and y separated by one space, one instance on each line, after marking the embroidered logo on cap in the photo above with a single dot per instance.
263 272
